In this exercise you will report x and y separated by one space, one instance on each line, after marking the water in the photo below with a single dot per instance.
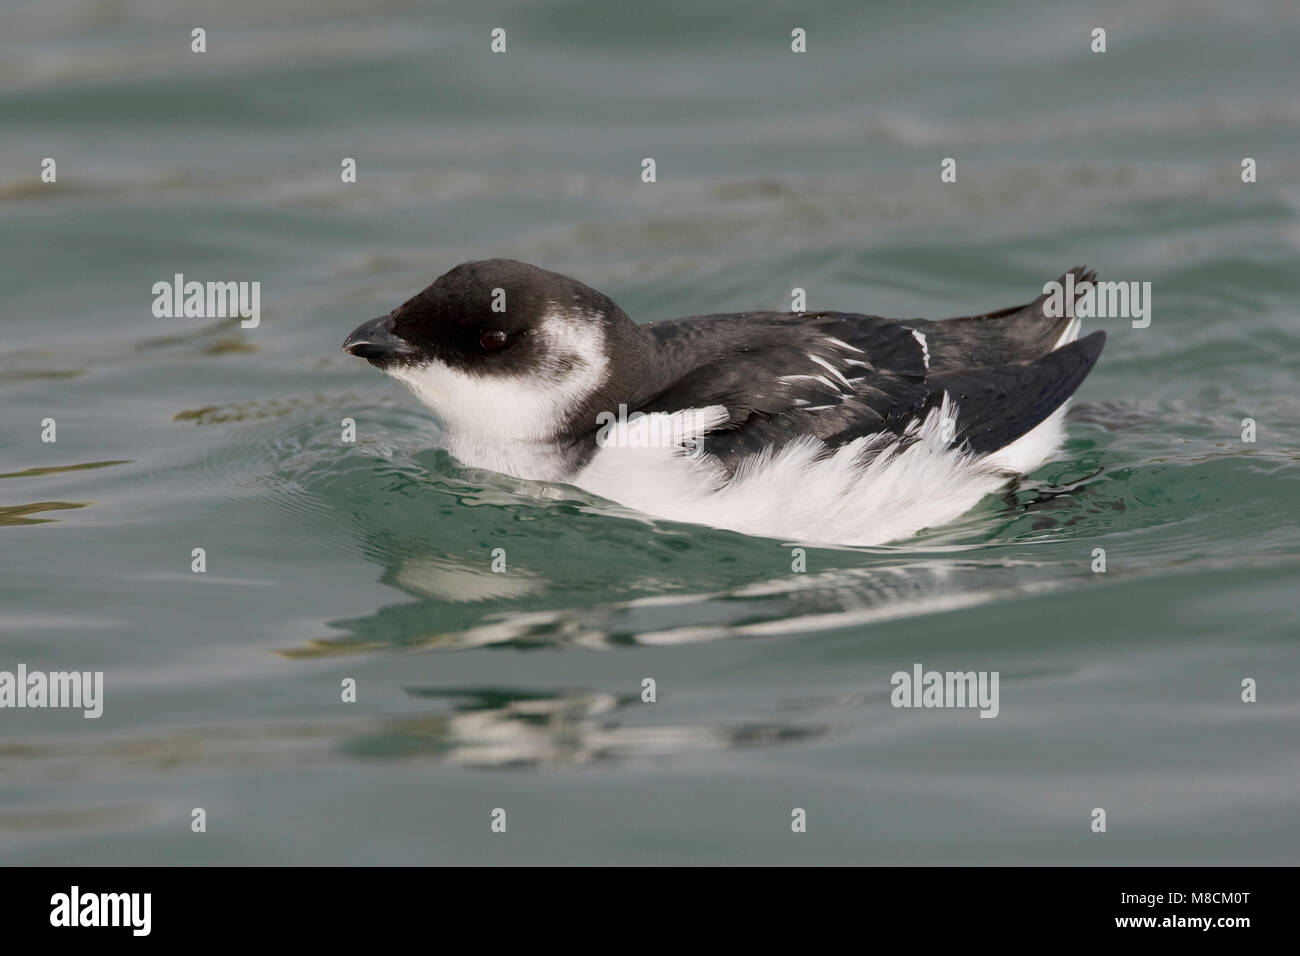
522 691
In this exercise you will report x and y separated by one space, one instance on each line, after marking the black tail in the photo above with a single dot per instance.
1021 333
998 404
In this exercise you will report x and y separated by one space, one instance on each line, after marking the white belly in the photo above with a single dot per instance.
797 495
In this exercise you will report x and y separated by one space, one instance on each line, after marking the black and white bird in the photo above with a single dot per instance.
824 427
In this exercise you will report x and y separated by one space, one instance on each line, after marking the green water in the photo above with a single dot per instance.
522 690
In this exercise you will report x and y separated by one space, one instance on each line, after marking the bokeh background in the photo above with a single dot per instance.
522 690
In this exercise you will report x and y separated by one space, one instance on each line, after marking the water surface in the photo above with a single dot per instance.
522 690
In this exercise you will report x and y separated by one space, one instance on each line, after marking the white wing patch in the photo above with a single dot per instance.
812 378
830 368
841 344
1070 334
925 349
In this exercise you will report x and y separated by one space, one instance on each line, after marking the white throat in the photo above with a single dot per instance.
508 422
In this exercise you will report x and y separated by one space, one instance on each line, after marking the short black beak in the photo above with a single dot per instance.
375 341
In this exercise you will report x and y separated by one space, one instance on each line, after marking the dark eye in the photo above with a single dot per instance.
492 340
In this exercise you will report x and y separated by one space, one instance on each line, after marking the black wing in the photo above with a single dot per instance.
840 376
833 375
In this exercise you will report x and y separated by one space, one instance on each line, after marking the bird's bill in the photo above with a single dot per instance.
375 341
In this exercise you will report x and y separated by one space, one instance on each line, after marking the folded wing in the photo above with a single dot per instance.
841 376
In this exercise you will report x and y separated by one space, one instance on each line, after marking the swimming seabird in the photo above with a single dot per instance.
818 427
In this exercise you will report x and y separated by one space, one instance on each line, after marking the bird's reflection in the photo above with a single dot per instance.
503 727
483 727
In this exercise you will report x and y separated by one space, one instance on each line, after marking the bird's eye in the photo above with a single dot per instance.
492 340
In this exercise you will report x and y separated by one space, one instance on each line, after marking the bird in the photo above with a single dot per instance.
827 428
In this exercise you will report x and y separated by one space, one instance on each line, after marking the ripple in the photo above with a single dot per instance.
18 514
58 469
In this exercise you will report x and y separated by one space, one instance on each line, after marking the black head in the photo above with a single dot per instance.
488 317
497 331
